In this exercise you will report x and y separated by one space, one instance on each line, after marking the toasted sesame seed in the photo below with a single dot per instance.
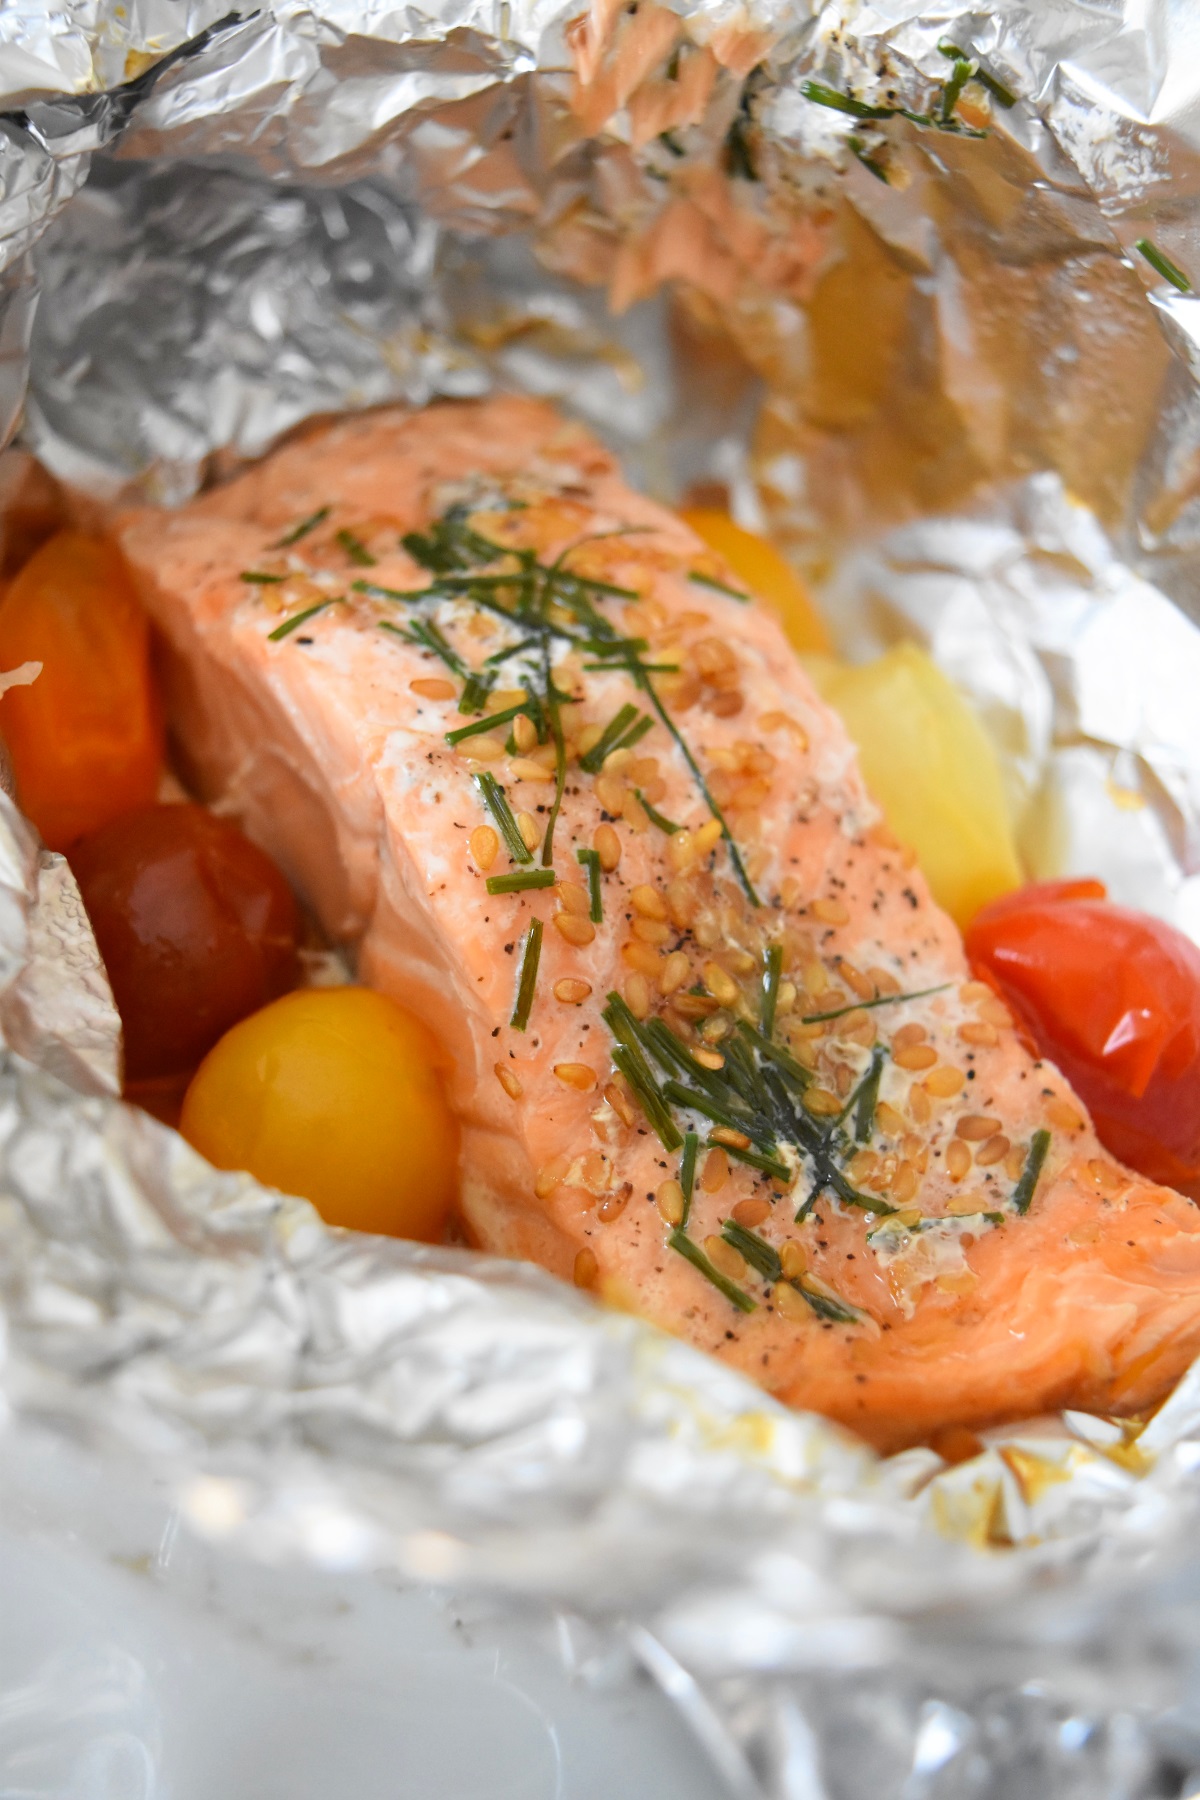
597 1171
914 1056
573 897
579 932
522 768
681 904
647 901
668 1197
709 1059
619 1098
958 1159
785 999
642 957
919 1104
781 721
529 829
484 846
971 991
993 1151
829 912
1063 1115
995 1012
608 847
524 732
432 687
743 962
586 1268
707 837
637 995
551 1175
571 992
721 986
790 1304
509 1080
815 977
481 749
904 1184
855 980
752 1212
862 1166
974 1127
725 1134
1109 1179
610 792
635 814
963 1281
858 1027
675 972
889 1120
943 1082
575 1075
907 1035
725 1258
970 1202
715 1172
977 1032
884 981
821 1102
505 697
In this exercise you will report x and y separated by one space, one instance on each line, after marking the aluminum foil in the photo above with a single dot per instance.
939 366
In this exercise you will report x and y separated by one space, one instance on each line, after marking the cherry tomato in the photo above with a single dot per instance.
196 925
86 736
1113 997
758 564
334 1094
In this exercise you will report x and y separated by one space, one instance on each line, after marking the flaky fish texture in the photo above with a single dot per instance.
716 1053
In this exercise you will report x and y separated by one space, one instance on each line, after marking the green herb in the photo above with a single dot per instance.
960 74
527 981
840 1012
767 1165
355 549
554 717
1163 264
672 144
474 696
297 619
303 528
477 726
995 88
838 1312
374 592
687 1173
655 817
878 169
519 880
629 1057
772 970
590 860
823 95
260 578
1022 1194
492 795
608 740
679 1241
756 1250
738 157
868 1099
719 587
426 633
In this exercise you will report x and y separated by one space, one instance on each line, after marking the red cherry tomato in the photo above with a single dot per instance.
196 925
86 736
1113 997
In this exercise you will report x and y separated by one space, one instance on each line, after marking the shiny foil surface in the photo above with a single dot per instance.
928 351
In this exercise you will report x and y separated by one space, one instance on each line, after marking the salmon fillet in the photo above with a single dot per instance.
894 1214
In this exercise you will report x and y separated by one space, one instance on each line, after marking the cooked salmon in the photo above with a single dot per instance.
526 750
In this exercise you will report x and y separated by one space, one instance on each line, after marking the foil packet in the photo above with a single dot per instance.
912 286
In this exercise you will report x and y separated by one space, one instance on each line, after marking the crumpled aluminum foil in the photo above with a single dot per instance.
969 404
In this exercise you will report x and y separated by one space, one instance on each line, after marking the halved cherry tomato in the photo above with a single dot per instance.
334 1094
1113 997
196 925
86 735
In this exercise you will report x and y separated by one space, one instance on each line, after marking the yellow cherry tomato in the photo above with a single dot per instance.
764 573
334 1094
928 761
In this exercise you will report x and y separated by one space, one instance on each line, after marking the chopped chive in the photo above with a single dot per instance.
767 1165
960 74
878 169
996 88
302 529
783 1060
687 1173
426 633
1163 264
719 587
822 95
711 1109
772 971
594 758
480 725
636 1072
260 578
474 696
493 797
838 1312
355 549
868 1099
300 618
527 982
686 1248
1022 1194
517 881
756 1250
590 860
374 592
560 761
655 817
866 1005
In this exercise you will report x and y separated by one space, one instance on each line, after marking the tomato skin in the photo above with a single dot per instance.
334 1094
1113 997
196 925
86 738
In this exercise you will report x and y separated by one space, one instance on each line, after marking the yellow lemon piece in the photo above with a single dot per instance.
334 1094
933 769
761 569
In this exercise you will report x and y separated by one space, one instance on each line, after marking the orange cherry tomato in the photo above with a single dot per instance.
86 736
196 925
334 1094
1113 997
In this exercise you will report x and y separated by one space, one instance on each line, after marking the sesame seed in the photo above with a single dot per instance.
522 768
575 1075
1063 1115
974 1127
551 1175
484 846
829 912
530 832
524 732
675 972
571 992
579 932
573 897
721 986
608 847
993 1151
715 1172
509 1080
789 1303
725 1258
958 1159
820 1102
433 688
752 1212
670 1202
586 1268
944 1082
725 1134
914 1056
